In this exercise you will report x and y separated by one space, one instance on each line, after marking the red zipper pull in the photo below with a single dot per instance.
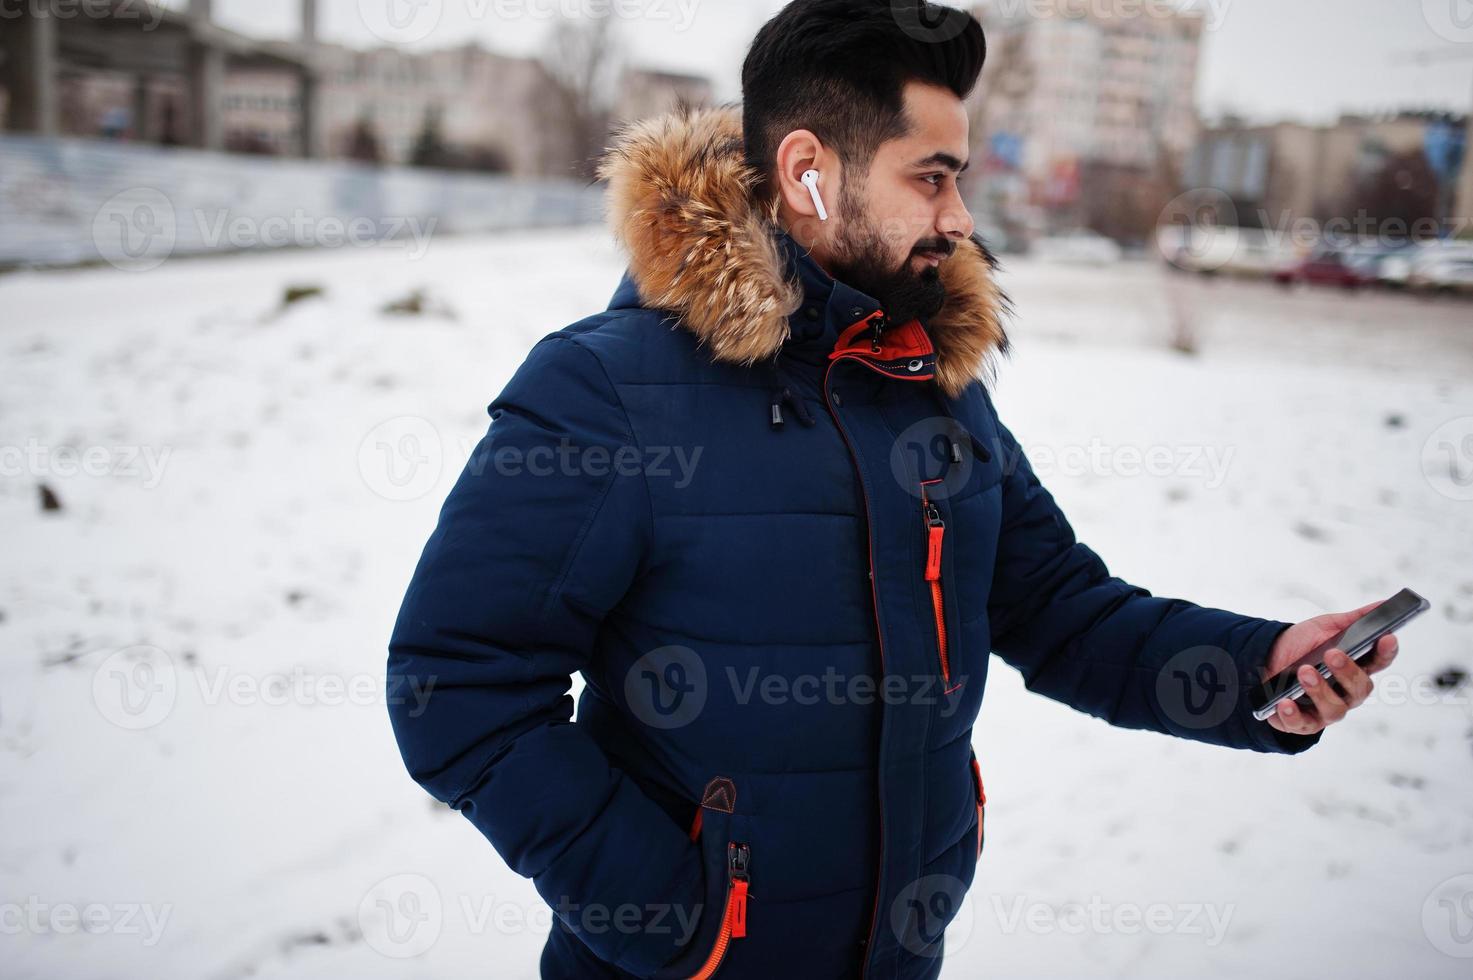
936 528
738 909
737 870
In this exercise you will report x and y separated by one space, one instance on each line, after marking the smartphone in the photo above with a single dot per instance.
1358 640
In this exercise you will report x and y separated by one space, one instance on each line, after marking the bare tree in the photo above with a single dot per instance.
363 143
582 60
429 146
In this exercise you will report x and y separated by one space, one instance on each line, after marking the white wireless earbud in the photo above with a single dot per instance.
810 179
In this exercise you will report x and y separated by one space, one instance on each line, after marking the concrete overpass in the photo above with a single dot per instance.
144 40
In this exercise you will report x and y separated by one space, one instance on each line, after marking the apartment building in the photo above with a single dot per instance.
1070 88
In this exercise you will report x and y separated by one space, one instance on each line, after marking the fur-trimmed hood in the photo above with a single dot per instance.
680 202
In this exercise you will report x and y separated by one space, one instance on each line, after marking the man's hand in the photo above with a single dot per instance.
1354 679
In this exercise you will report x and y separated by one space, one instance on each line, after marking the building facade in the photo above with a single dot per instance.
483 107
644 93
1283 173
104 77
1072 89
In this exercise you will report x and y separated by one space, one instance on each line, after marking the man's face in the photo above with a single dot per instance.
895 224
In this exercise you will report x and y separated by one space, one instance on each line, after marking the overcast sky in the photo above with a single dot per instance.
1269 59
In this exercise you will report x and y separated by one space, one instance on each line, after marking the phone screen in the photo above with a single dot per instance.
1356 640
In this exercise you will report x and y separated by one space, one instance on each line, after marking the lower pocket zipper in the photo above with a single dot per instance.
734 914
981 803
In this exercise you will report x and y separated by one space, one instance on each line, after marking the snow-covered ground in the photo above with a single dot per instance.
197 777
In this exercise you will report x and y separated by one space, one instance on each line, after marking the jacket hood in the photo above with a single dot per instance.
680 201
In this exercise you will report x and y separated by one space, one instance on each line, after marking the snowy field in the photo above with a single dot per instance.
197 777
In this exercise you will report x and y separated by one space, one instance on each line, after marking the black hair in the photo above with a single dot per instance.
839 67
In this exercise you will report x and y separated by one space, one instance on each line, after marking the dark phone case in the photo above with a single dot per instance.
1273 690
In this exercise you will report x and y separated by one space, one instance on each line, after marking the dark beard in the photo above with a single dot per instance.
862 261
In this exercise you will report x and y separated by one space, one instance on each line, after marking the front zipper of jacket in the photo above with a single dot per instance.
734 912
935 538
877 324
879 633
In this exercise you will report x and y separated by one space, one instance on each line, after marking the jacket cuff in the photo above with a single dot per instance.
1264 737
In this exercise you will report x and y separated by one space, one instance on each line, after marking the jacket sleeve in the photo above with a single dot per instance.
1081 636
542 534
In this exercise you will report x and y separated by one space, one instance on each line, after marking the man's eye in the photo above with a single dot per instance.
934 179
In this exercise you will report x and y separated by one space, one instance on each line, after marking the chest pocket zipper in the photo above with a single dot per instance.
935 539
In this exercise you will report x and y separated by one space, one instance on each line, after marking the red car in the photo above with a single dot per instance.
1327 267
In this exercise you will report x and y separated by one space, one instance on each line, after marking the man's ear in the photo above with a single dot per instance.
799 152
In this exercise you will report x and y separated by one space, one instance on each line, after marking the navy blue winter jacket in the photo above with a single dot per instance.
778 537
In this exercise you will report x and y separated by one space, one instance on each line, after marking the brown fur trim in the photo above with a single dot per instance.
680 202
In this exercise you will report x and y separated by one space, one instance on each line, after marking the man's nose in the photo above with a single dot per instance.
955 221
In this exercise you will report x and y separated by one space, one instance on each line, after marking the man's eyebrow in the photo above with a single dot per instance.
944 159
